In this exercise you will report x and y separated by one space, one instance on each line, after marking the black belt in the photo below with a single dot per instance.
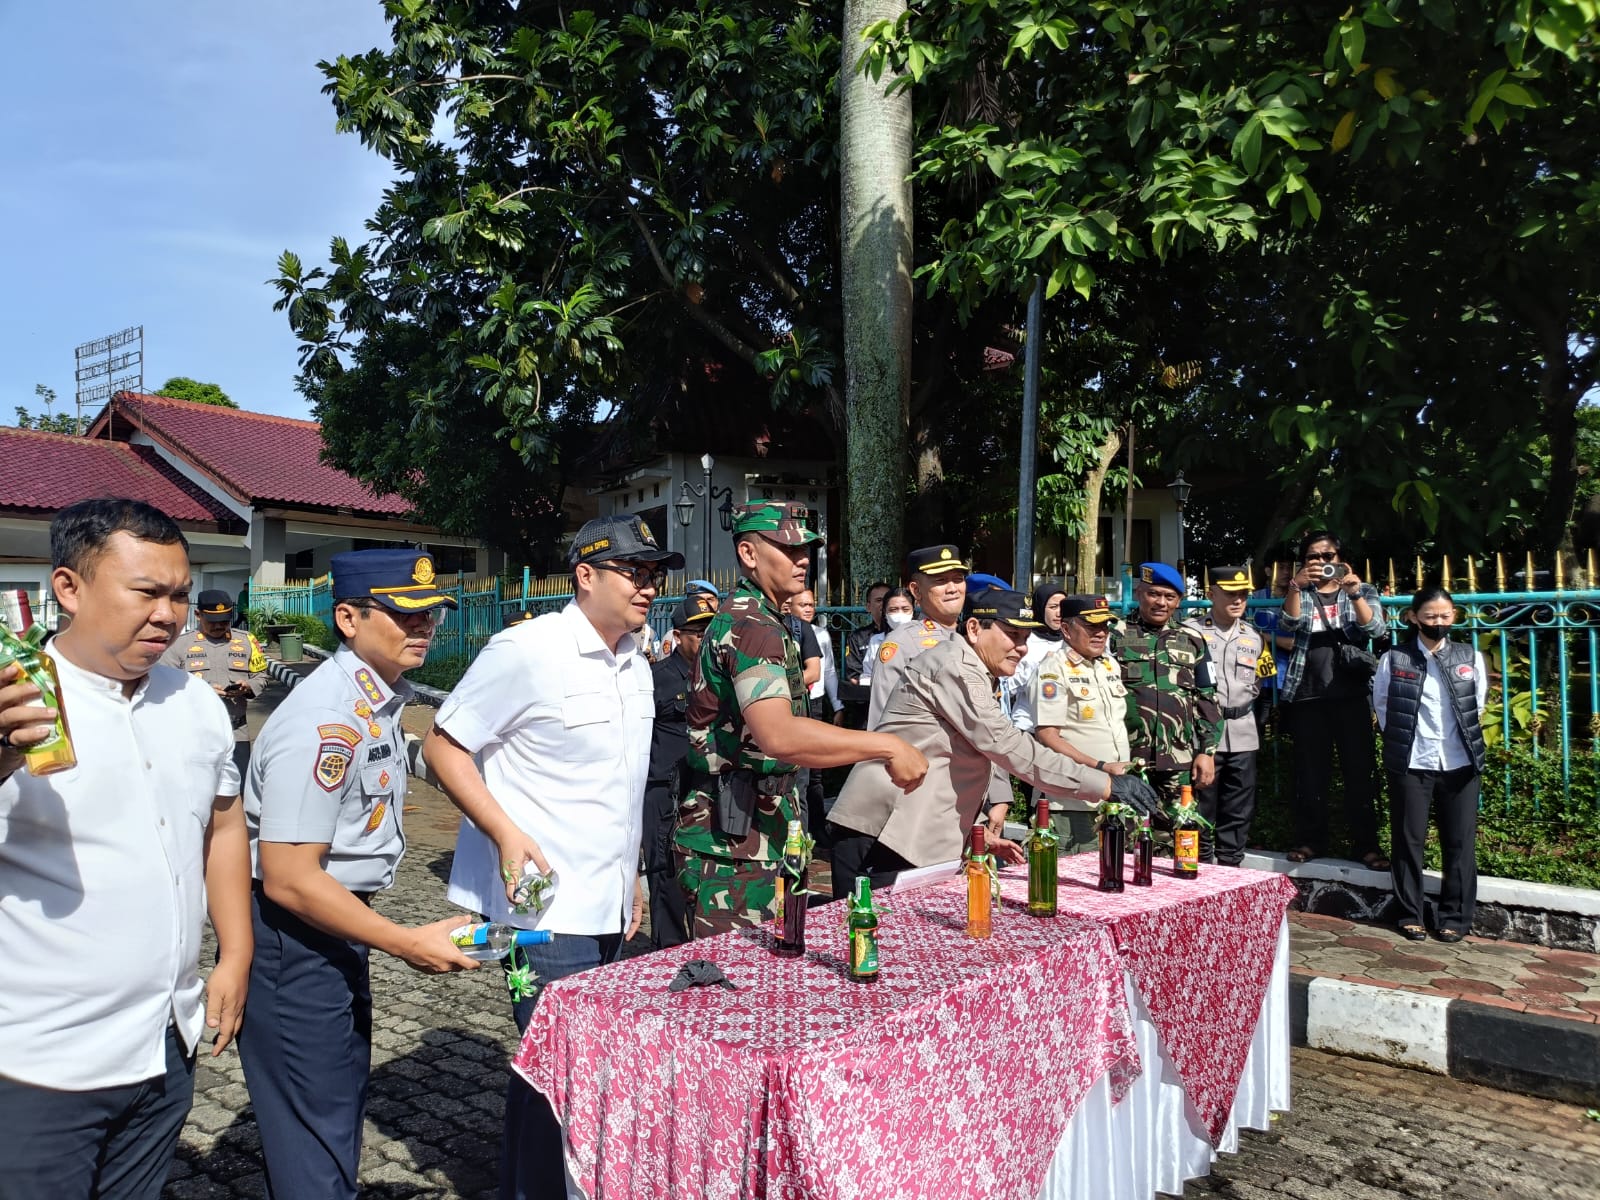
1237 711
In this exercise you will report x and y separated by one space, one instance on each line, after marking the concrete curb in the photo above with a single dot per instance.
1477 1043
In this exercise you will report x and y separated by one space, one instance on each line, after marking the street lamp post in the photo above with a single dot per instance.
1180 489
686 504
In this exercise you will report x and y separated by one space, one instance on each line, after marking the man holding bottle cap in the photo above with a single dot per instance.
324 798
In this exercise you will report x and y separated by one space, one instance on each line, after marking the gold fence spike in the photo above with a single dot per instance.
1472 574
1560 583
1528 574
1393 584
1499 571
1444 573
1419 572
1589 565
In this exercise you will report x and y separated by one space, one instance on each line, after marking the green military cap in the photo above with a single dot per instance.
1231 579
1006 607
776 520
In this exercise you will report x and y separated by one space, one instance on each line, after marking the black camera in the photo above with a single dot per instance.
1330 570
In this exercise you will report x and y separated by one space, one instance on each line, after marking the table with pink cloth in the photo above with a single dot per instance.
958 1073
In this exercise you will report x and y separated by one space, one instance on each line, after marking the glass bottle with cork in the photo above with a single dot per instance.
862 923
1043 859
1112 828
979 897
1186 837
1144 851
789 921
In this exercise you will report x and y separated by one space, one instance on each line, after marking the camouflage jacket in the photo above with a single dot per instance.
1172 705
747 655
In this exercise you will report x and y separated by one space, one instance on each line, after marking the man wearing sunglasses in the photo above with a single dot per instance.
560 711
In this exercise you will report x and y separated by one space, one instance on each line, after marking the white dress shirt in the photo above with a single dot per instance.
102 883
1438 744
1016 687
827 683
562 728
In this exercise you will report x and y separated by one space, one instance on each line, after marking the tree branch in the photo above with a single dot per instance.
696 312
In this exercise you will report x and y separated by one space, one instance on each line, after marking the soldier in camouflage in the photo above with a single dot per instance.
749 732
1173 718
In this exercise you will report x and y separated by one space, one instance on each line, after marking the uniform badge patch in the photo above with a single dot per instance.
383 779
333 759
338 733
929 642
1087 712
1048 691
258 656
1464 670
930 626
366 683
376 819
424 571
888 651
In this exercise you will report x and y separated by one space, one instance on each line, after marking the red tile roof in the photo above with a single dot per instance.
44 472
254 456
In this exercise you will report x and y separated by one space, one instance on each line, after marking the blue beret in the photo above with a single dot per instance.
978 581
400 580
1163 576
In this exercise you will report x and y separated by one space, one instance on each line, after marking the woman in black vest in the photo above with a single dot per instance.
1429 693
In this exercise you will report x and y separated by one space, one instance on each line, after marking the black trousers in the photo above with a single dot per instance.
1321 728
1229 804
816 819
107 1144
1453 796
860 854
668 922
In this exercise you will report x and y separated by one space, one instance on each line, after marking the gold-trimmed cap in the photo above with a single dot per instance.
400 580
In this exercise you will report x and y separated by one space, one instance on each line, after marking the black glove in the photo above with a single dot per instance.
1136 794
697 972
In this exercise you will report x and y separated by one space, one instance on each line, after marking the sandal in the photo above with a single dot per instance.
1415 933
1301 854
1374 860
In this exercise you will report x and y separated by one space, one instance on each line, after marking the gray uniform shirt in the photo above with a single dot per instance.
1234 655
946 707
330 766
235 659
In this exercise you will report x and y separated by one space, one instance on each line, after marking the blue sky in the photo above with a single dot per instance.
159 157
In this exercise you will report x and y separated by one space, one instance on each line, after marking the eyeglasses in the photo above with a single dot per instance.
1329 556
434 616
641 575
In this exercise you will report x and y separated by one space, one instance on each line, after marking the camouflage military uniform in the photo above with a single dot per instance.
1172 708
746 656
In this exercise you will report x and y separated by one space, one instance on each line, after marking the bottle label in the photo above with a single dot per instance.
863 952
1186 848
777 910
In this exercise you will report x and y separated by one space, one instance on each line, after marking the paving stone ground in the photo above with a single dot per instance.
1359 1130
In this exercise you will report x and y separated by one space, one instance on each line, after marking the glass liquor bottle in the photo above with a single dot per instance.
979 898
1042 861
1144 849
863 926
1186 837
492 940
790 939
1113 831
55 753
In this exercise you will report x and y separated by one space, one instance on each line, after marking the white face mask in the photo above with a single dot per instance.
898 620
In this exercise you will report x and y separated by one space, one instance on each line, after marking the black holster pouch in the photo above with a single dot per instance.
735 795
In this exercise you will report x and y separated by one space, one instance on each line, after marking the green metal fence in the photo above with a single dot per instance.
1542 650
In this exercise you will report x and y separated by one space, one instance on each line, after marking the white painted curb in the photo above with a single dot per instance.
1408 1029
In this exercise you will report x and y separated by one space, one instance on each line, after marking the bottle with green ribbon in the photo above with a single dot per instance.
863 926
55 753
1043 852
789 939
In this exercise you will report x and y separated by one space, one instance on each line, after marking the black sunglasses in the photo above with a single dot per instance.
1330 556
641 575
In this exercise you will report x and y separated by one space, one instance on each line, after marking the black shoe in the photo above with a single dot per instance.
1415 933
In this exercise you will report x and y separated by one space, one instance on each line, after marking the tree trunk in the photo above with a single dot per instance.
1093 485
875 276
1558 403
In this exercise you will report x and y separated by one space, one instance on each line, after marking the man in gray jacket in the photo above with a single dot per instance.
946 707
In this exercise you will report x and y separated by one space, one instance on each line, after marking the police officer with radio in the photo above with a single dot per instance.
230 661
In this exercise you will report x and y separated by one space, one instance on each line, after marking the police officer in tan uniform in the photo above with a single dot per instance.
947 708
1076 704
228 659
1239 655
938 579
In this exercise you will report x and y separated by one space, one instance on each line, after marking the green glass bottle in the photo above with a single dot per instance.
1042 860
863 925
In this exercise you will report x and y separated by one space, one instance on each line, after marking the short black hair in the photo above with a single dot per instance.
79 533
872 587
1315 536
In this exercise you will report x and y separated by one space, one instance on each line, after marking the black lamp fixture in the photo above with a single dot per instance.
689 495
1180 489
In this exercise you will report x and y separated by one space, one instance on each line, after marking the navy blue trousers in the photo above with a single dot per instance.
107 1144
531 1162
306 1045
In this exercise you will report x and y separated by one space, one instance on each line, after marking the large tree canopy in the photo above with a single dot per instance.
181 387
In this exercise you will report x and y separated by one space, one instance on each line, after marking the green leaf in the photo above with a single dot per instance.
1083 279
1353 40
1247 145
1515 93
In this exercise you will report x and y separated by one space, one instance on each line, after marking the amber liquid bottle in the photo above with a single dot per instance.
1043 858
979 899
1186 838
1144 852
55 753
863 926
790 939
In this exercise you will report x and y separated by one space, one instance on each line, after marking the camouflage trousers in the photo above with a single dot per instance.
723 894
1169 786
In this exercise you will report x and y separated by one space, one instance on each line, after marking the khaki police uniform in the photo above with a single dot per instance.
238 658
946 708
1088 702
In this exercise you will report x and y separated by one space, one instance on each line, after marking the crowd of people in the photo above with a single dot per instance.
617 782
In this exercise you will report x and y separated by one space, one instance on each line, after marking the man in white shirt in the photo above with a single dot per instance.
822 703
107 873
560 709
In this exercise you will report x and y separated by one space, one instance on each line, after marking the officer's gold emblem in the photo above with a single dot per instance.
945 553
377 817
423 573
1025 613
644 532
